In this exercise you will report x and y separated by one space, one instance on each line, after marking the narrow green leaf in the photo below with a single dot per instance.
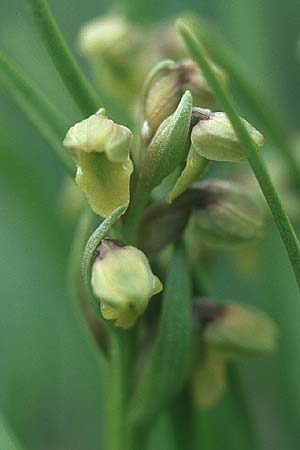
90 252
280 217
168 362
247 90
44 117
65 63
7 439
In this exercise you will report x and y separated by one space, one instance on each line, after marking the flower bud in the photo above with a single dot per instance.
169 145
164 87
214 138
101 149
194 80
241 330
123 281
163 224
109 35
115 50
227 214
162 95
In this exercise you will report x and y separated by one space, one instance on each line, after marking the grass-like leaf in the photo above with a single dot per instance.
281 219
166 368
44 117
90 252
7 439
65 63
250 93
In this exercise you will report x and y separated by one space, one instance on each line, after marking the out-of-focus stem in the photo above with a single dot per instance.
44 117
65 63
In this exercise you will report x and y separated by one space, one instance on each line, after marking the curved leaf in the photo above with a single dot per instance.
7 438
90 252
167 366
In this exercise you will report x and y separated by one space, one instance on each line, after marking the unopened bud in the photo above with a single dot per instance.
194 80
228 215
164 87
123 281
169 145
101 149
107 35
163 224
241 330
162 95
214 138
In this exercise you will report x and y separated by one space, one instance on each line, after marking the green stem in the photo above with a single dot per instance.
250 93
182 414
118 388
65 63
281 219
134 214
48 122
88 320
240 403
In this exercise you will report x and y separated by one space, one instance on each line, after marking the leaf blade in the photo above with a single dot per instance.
166 369
90 250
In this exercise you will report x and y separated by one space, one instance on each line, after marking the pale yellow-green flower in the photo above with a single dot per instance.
101 149
123 281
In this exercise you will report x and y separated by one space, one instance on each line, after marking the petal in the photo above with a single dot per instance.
105 183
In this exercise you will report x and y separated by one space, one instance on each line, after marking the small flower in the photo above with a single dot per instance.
227 214
115 49
101 149
193 79
241 330
162 95
109 36
214 138
225 332
123 281
164 87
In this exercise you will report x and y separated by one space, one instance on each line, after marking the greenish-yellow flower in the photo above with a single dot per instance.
101 149
123 281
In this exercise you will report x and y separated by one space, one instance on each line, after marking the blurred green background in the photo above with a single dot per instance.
50 374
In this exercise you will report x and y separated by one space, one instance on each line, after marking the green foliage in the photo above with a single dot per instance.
167 364
7 439
89 253
49 368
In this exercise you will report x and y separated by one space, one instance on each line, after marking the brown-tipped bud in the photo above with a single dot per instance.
162 95
214 138
227 214
164 87
163 224
193 79
241 330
